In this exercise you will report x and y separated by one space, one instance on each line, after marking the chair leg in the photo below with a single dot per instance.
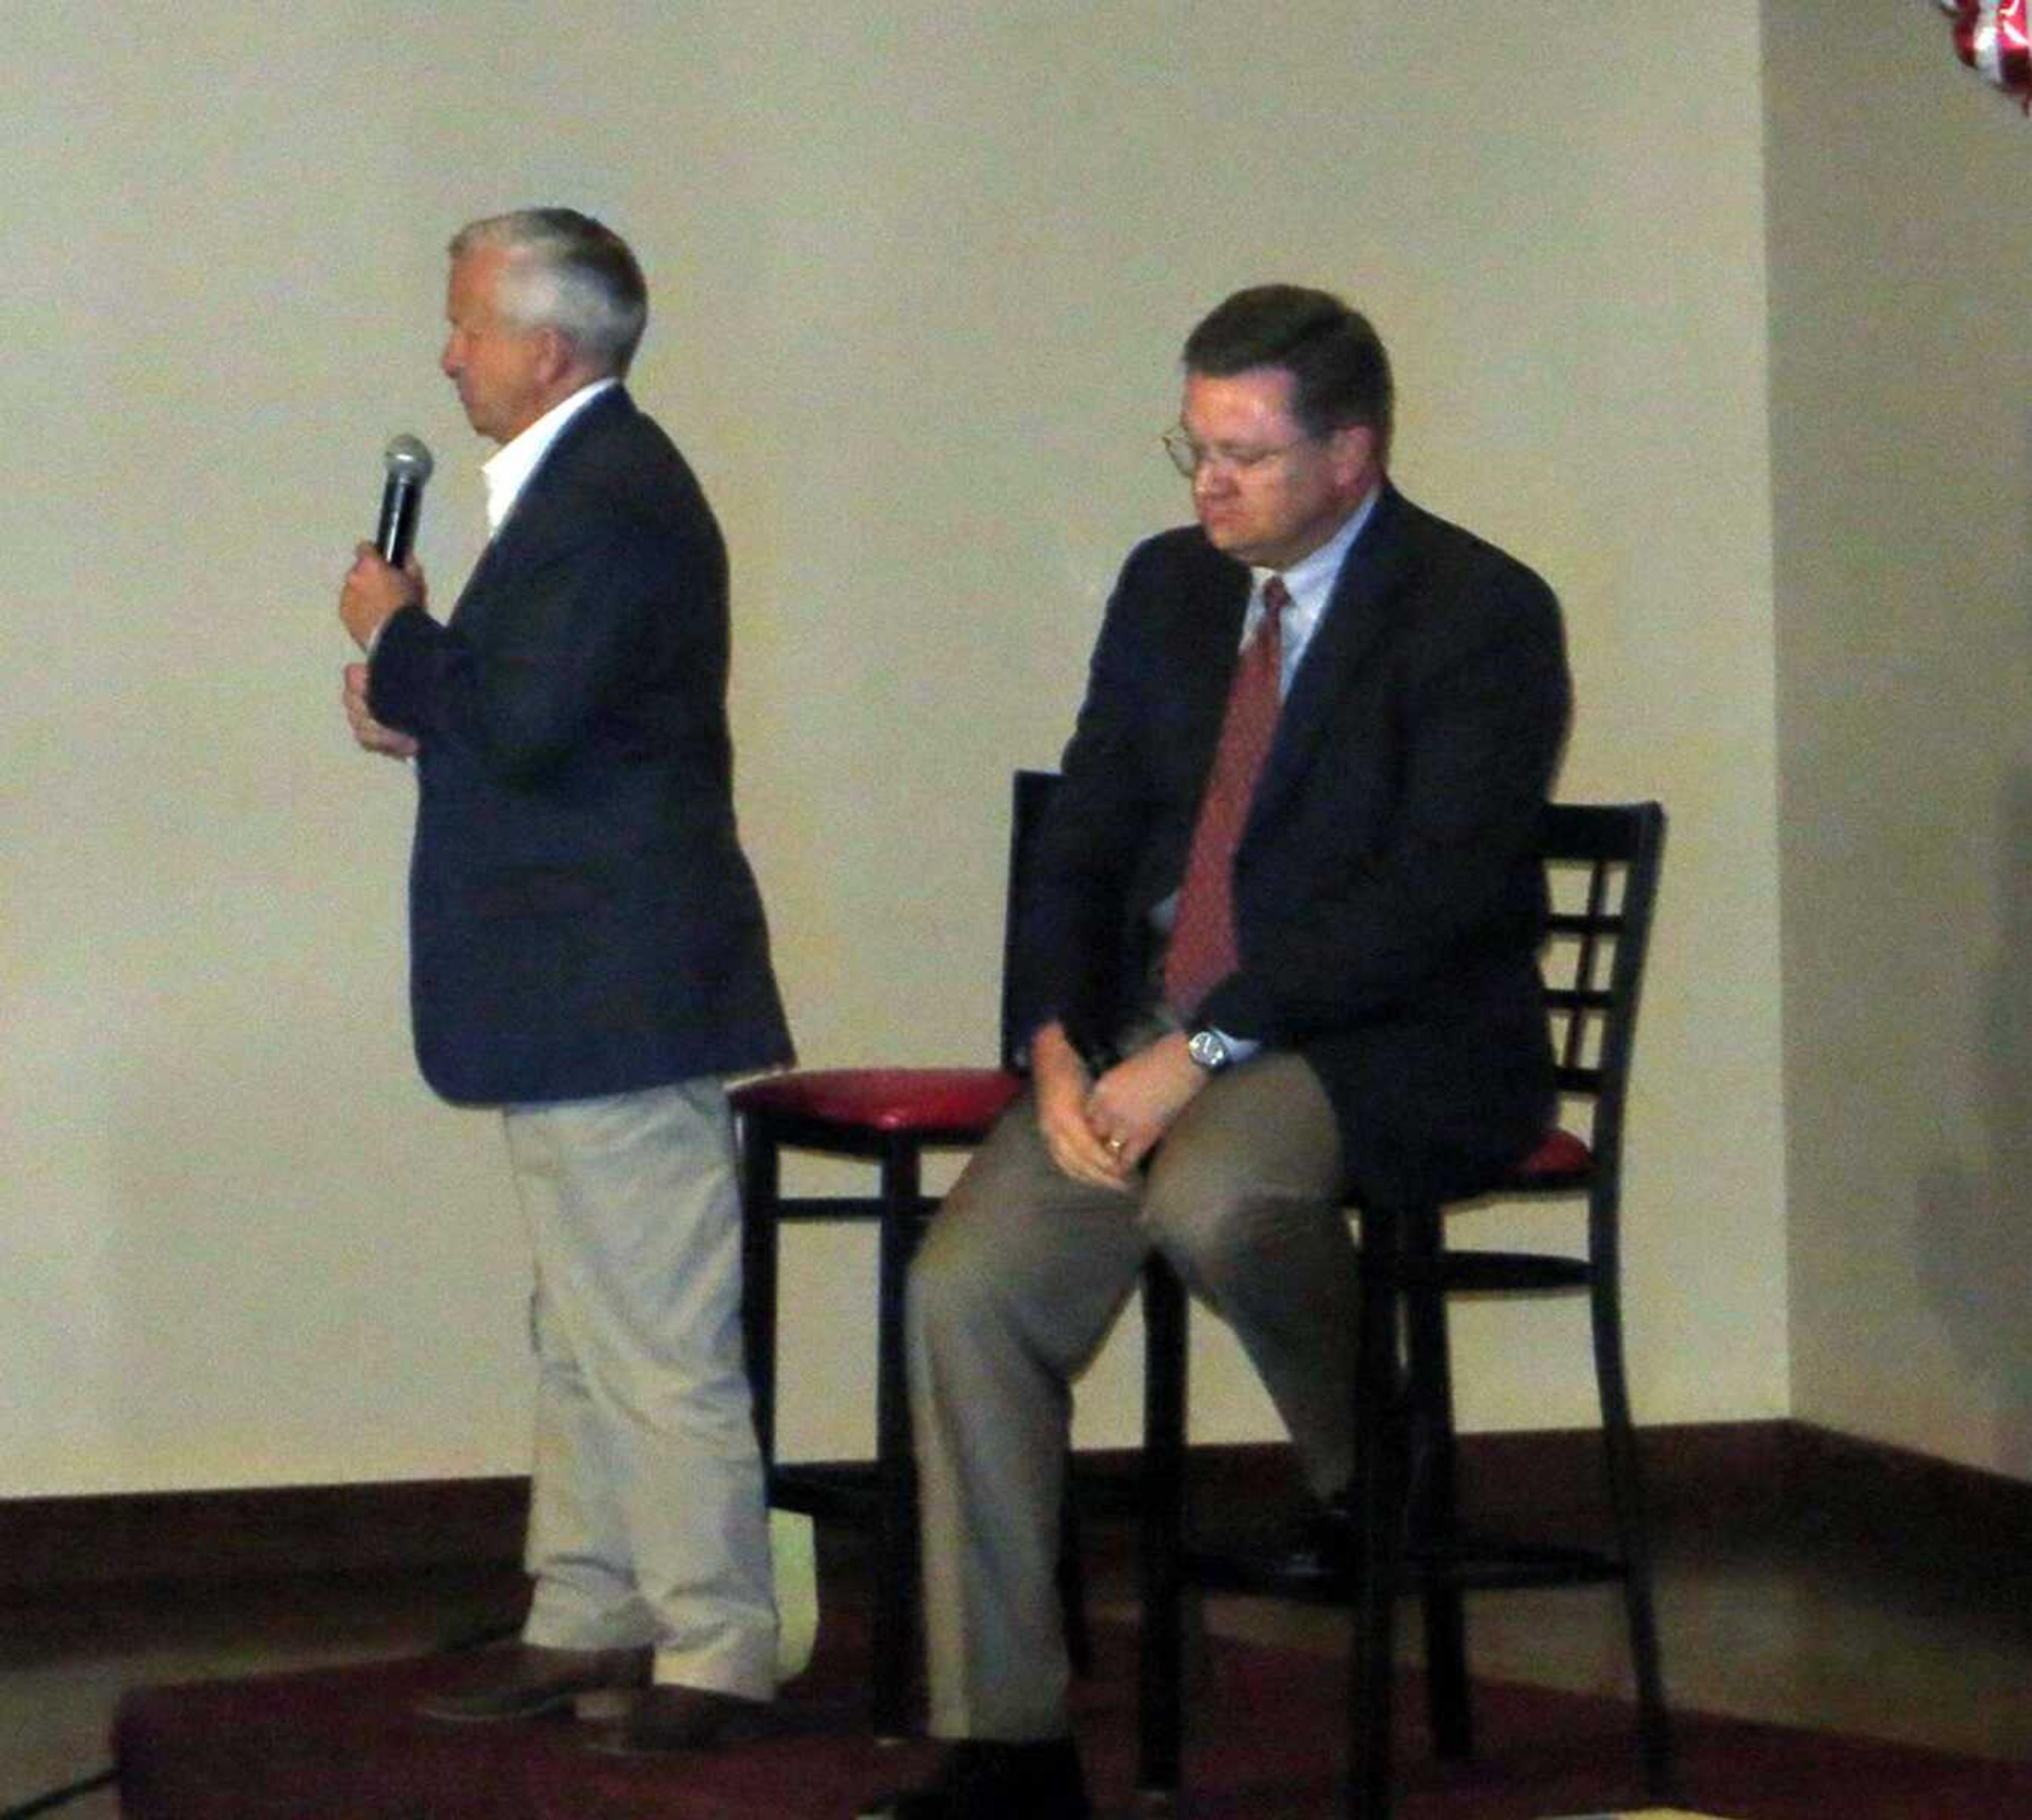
1432 1491
1072 1584
1632 1531
896 1479
1378 1432
760 1187
1160 1710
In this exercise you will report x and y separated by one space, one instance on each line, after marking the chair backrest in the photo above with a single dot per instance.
1030 796
1601 864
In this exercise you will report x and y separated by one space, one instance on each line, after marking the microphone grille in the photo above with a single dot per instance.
406 458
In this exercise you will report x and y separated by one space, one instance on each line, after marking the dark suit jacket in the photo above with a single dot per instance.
1388 907
582 919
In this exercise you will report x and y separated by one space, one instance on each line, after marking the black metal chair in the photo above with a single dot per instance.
1408 1532
891 1118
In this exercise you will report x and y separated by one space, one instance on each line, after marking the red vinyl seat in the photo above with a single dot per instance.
1559 1155
959 1102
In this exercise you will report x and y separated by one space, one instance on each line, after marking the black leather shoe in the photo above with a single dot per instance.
983 1780
528 1680
1325 1552
665 1719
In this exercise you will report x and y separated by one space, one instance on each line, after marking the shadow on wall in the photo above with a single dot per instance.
1976 1233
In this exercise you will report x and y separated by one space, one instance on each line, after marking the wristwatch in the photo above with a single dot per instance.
1208 1050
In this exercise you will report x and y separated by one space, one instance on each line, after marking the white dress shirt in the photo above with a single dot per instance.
509 469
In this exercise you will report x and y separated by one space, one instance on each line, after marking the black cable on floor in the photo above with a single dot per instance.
58 1797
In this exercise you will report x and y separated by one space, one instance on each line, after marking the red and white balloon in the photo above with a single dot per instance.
1995 37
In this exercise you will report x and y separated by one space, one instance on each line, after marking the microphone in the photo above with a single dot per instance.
408 465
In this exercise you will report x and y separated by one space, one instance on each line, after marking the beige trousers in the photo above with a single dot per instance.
647 1523
1021 1276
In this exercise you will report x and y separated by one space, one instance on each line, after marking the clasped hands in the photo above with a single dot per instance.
374 593
1099 1130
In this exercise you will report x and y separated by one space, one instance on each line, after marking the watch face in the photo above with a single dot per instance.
1208 1049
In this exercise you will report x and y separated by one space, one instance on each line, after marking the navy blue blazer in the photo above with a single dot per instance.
582 919
1388 907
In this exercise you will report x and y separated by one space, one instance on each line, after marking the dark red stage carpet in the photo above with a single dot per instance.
342 1745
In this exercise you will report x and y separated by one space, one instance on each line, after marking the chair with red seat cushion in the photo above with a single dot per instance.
892 1118
1602 864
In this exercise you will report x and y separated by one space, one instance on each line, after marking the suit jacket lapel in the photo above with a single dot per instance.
1205 648
536 504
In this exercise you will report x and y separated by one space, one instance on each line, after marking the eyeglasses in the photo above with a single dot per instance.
1189 456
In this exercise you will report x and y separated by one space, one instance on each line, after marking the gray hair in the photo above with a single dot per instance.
568 272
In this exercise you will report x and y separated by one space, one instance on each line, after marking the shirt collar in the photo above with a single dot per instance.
1310 583
1310 579
509 470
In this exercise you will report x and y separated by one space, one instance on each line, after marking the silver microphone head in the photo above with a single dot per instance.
406 458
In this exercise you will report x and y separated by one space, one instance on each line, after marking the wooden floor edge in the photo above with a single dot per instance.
1751 1474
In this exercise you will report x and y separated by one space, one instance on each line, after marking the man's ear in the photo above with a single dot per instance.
556 357
1353 447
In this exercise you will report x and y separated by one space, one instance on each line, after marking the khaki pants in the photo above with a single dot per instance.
647 1523
1021 1276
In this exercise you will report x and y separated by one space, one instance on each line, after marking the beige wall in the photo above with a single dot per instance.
1900 369
921 272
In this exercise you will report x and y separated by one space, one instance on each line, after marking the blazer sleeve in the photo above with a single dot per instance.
524 671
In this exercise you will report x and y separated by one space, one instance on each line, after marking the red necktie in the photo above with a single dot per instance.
1203 951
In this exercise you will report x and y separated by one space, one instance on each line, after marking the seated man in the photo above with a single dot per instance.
1285 920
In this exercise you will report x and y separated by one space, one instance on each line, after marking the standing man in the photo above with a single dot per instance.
588 952
1285 920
